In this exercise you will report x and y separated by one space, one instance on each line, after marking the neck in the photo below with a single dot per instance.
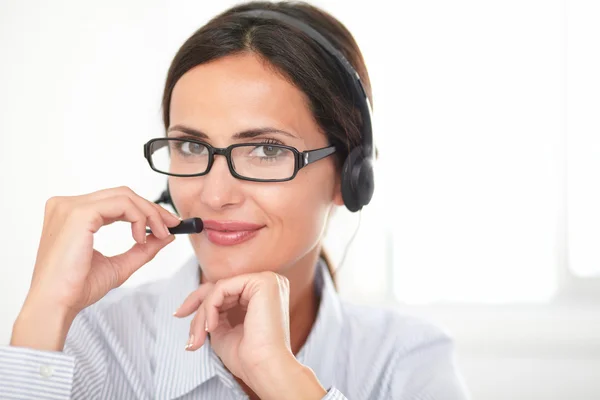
304 301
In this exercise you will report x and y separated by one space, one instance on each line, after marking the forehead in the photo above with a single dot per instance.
240 92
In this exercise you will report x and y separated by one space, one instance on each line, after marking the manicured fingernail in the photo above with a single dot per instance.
206 325
190 342
166 229
175 312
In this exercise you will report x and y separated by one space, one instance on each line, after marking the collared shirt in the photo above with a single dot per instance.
129 346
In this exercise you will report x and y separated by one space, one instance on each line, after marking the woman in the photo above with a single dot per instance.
256 310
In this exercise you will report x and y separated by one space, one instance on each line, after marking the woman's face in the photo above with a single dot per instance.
250 226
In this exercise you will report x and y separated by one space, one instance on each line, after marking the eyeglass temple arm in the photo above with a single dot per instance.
311 156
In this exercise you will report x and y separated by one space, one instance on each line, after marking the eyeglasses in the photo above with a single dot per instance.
259 162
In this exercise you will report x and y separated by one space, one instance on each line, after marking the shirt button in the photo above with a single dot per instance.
46 371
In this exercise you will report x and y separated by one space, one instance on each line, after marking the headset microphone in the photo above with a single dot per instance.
187 226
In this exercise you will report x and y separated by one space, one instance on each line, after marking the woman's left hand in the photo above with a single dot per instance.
258 349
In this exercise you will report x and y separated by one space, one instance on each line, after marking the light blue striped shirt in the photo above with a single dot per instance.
129 346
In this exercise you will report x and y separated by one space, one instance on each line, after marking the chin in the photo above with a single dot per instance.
221 263
262 253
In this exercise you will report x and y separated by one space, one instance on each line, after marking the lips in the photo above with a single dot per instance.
229 233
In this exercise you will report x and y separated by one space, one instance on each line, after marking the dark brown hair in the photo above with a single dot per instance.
292 54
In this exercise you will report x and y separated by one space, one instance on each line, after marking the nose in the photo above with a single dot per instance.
220 189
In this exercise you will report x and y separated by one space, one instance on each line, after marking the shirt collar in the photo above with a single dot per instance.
178 372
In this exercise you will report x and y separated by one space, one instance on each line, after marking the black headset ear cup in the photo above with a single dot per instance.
366 181
357 180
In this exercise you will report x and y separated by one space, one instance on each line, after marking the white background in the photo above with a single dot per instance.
486 215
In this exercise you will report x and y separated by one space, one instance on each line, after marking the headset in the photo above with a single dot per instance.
357 178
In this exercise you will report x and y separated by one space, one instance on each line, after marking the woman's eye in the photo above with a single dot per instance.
193 148
266 151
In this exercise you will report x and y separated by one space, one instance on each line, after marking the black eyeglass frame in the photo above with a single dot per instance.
301 158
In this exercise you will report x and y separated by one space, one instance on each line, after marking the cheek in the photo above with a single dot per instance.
298 209
183 193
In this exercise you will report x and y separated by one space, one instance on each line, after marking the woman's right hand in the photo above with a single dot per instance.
69 274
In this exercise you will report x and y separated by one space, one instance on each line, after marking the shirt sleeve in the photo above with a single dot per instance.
334 394
35 374
77 372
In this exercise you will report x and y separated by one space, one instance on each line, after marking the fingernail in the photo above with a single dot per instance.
166 229
177 216
145 239
175 312
206 325
190 342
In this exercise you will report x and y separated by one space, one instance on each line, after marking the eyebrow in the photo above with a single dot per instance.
247 134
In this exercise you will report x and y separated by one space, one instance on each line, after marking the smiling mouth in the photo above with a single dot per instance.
229 233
